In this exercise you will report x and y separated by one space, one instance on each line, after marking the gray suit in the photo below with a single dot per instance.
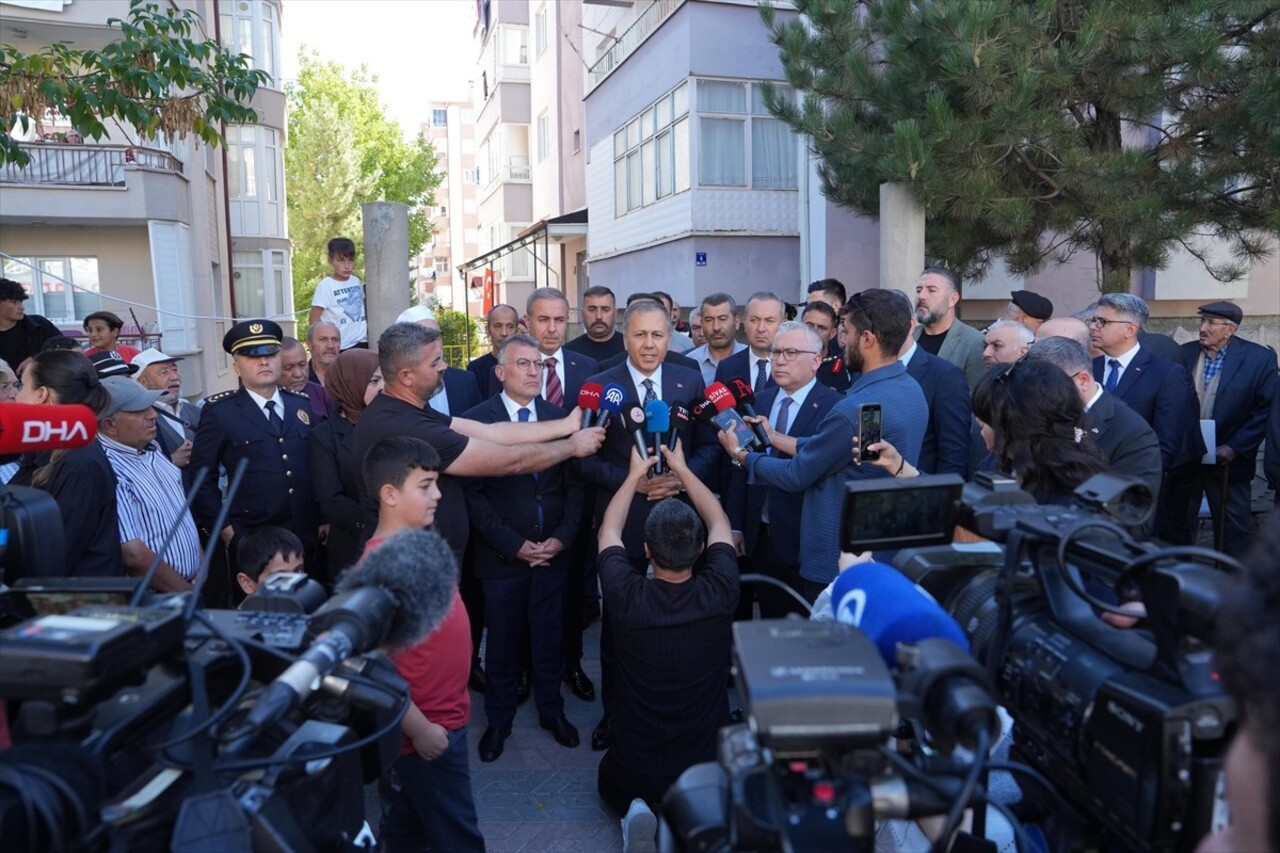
962 347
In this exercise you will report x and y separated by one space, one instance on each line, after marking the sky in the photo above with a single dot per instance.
420 50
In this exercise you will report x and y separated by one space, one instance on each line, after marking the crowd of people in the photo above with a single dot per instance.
556 518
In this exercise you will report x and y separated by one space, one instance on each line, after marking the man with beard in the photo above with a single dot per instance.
324 340
941 333
599 314
501 324
176 419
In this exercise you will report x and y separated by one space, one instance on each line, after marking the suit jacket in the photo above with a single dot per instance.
738 366
578 368
276 488
172 431
672 357
1161 346
1158 390
1246 386
504 510
482 369
337 492
833 372
744 505
1271 463
946 439
963 347
608 467
1128 443
462 390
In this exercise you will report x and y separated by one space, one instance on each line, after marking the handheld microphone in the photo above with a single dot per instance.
679 416
610 403
703 410
886 606
31 428
633 420
657 420
726 417
746 405
589 401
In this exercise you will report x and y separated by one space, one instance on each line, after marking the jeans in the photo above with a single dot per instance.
434 809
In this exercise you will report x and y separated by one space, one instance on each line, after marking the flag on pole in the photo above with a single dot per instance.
488 299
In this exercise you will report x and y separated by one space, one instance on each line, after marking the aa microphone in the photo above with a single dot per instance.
886 606
679 416
589 402
746 405
657 420
633 421
31 428
610 403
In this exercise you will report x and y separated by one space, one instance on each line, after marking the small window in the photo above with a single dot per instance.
440 118
441 264
577 141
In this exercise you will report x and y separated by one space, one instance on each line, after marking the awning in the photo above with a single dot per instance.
557 229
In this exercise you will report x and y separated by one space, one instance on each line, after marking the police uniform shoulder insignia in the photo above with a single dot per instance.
302 394
219 397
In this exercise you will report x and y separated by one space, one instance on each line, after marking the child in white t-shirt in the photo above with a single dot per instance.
339 298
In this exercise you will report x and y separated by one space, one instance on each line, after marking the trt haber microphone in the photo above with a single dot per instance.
729 420
679 416
746 405
27 428
657 420
886 606
611 400
589 402
633 419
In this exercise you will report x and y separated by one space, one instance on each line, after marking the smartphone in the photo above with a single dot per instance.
729 420
869 422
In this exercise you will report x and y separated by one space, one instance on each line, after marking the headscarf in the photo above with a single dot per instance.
348 378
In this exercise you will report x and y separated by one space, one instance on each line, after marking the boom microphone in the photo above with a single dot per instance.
31 428
746 405
657 420
610 403
886 606
633 420
589 402
679 417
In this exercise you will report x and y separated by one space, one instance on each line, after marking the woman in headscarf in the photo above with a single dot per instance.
352 381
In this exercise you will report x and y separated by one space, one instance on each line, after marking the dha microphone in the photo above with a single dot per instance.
633 420
657 420
679 417
589 401
746 400
886 606
703 410
401 590
610 403
31 428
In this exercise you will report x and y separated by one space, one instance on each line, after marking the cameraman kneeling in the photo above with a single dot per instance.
672 642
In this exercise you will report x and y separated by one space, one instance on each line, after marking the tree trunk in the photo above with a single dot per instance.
1115 256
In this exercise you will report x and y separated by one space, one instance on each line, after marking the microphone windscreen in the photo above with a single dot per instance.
589 396
612 397
33 428
678 415
657 416
703 410
633 418
743 392
720 396
886 606
419 569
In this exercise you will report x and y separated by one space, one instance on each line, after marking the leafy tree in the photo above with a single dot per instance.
331 107
1029 129
155 77
460 334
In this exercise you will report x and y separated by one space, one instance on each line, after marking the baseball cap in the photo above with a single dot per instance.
127 396
146 358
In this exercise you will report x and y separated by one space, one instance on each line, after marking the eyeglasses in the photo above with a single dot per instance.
526 364
788 354
1102 321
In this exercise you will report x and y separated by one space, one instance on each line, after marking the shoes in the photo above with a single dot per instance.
580 684
562 730
600 734
491 743
639 829
477 680
523 688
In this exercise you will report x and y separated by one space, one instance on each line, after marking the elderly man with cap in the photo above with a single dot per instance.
149 493
1029 309
1235 382
177 419
266 425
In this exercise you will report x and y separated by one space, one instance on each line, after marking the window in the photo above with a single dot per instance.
735 137
63 289
648 152
577 141
442 210
440 118
174 287
544 136
250 27
441 265
254 181
540 32
262 284
471 176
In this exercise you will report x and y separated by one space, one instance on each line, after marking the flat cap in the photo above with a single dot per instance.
1222 310
109 363
1035 305
253 338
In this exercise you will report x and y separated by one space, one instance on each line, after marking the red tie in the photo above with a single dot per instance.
555 393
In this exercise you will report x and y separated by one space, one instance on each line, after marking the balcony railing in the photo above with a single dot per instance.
516 169
645 23
85 165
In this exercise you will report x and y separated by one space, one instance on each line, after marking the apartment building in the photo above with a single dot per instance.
455 220
174 236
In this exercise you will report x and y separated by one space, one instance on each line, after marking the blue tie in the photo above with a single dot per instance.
523 416
1113 378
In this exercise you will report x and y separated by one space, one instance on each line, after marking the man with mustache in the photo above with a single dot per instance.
599 312
941 332
176 419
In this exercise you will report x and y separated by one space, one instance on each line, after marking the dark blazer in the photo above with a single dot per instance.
1271 463
1128 443
1159 391
744 504
608 467
172 431
504 510
337 492
946 438
738 366
1246 386
672 357
462 390
1161 346
482 369
277 484
578 368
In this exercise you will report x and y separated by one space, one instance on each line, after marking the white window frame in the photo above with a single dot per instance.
638 142
441 264
277 290
59 308
748 118
263 45
267 180
439 117
544 136
540 32
174 284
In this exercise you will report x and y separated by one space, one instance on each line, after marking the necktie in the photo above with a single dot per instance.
649 394
762 374
522 415
555 392
784 419
276 423
1113 378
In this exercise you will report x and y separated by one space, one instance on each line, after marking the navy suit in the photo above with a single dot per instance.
578 368
1126 441
504 513
482 369
738 366
946 390
462 390
1159 391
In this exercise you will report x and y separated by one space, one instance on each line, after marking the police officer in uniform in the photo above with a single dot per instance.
267 425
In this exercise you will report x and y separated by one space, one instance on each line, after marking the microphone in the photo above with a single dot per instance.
589 401
32 428
725 417
633 420
703 410
886 606
610 403
657 420
746 400
679 416
401 590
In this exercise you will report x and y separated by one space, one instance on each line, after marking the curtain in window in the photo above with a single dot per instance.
773 155
723 150
715 96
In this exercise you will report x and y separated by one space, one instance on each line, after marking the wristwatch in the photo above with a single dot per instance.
740 456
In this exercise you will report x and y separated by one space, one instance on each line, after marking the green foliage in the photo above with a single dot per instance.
1030 129
460 334
155 77
344 151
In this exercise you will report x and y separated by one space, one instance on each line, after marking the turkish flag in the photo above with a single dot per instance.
487 302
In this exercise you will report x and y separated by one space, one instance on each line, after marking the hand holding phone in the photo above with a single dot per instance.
870 420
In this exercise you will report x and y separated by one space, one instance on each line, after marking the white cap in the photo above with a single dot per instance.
416 314
146 358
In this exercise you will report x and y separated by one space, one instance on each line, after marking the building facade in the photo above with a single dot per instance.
455 228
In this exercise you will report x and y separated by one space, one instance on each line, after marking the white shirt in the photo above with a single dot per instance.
343 304
638 378
707 363
906 359
754 368
513 408
1097 392
1124 363
558 355
262 403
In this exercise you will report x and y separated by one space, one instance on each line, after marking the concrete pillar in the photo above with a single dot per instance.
901 238
386 264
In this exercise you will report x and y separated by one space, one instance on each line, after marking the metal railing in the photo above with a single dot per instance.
85 165
646 22
516 169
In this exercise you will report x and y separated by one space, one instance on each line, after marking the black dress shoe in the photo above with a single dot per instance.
580 684
562 730
477 680
600 734
523 688
491 743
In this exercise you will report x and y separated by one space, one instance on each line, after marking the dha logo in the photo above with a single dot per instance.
614 396
39 432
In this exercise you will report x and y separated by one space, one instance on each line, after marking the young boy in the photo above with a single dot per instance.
264 551
339 298
434 806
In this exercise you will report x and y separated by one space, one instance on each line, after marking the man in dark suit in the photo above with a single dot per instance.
525 527
766 521
266 425
765 313
947 438
458 391
501 324
1235 381
547 317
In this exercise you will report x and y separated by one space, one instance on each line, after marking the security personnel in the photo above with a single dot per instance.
267 425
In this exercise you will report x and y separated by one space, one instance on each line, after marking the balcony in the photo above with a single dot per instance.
644 26
85 165
515 170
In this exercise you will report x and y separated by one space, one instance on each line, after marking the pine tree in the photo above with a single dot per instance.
1031 129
